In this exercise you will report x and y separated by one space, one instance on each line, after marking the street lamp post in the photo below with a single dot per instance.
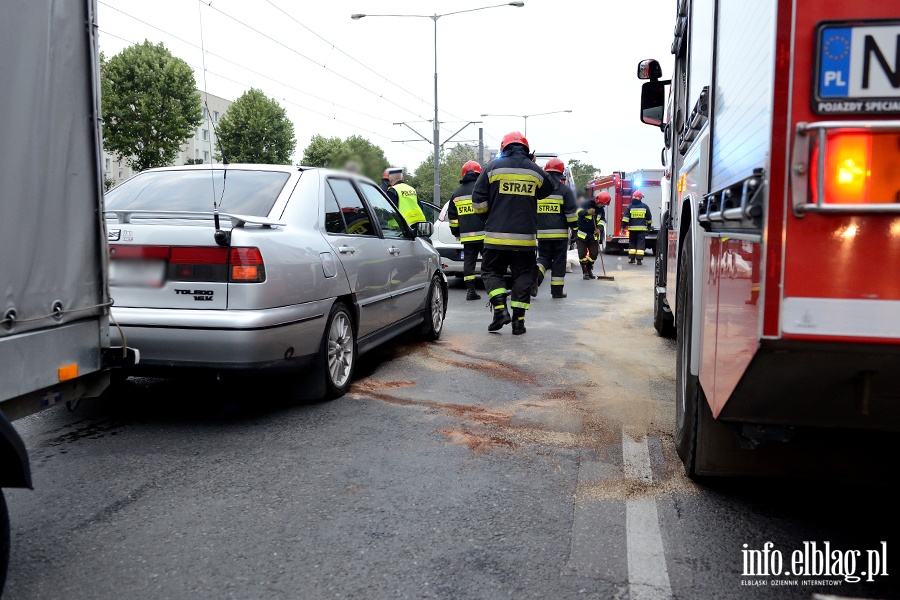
525 133
437 125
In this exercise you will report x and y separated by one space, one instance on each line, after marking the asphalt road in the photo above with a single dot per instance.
481 466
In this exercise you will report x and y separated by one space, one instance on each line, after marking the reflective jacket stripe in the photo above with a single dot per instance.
511 243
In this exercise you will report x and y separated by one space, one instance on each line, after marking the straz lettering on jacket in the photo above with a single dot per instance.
518 188
638 213
549 207
464 207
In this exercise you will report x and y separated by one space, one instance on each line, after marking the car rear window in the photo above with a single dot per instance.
249 193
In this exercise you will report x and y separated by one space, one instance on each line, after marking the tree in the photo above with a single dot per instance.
449 170
335 153
150 105
255 129
583 173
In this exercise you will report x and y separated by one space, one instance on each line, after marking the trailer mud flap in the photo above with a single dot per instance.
14 466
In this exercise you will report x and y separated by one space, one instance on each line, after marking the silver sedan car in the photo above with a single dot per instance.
295 269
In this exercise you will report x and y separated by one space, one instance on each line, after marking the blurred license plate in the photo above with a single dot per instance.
623 242
461 256
137 273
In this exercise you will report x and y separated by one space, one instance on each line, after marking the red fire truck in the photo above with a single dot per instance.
781 279
620 186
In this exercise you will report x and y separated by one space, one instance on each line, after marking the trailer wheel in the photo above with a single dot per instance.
4 541
687 387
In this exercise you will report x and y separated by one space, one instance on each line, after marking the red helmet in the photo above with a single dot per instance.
638 195
602 198
556 165
471 165
514 138
385 175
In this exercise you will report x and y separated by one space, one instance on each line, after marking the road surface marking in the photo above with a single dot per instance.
648 577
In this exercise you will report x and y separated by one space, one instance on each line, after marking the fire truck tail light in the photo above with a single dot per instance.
860 168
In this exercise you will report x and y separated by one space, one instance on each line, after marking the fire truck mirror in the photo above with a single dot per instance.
649 69
653 99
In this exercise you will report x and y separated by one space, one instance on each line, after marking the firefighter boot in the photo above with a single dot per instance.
471 294
538 279
631 259
518 324
640 260
501 313
590 271
584 271
557 292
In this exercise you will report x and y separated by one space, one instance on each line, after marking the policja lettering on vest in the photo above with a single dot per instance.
556 214
510 186
467 224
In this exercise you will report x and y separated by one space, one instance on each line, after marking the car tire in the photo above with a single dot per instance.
435 311
4 541
338 353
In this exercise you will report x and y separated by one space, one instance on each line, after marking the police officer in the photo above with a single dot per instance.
467 224
591 222
509 189
405 198
637 220
556 214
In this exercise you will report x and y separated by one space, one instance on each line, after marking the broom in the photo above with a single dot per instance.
604 277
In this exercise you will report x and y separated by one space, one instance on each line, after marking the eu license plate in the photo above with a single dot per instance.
137 273
623 242
855 70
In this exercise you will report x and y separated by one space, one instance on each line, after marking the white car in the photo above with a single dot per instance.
448 247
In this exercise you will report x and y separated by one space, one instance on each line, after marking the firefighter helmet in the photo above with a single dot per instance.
471 165
514 137
638 195
602 198
555 165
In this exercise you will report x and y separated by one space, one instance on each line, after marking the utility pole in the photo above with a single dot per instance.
481 145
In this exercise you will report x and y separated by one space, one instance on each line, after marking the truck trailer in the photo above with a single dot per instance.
54 298
780 274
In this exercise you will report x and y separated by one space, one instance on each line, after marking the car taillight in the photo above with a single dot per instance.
246 265
198 263
859 168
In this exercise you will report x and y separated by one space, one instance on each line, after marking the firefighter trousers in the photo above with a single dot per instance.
552 257
637 242
521 264
588 249
471 250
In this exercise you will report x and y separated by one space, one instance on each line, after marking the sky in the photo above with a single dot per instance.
339 77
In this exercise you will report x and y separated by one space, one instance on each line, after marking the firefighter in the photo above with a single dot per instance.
591 222
508 190
637 221
385 180
467 224
556 215
405 198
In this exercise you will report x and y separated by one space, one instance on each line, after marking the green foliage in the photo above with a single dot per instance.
194 161
150 105
335 153
255 129
449 169
583 173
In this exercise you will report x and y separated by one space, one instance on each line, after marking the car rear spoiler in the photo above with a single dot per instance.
124 216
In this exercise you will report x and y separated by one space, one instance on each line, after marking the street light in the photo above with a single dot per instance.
435 17
555 112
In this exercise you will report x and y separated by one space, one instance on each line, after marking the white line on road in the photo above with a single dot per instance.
648 577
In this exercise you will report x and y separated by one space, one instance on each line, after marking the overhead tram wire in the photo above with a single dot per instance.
306 108
305 57
248 69
360 63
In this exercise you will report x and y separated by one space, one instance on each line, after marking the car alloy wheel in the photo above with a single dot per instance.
340 349
437 307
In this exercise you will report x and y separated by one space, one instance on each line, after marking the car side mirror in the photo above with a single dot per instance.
653 101
424 229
